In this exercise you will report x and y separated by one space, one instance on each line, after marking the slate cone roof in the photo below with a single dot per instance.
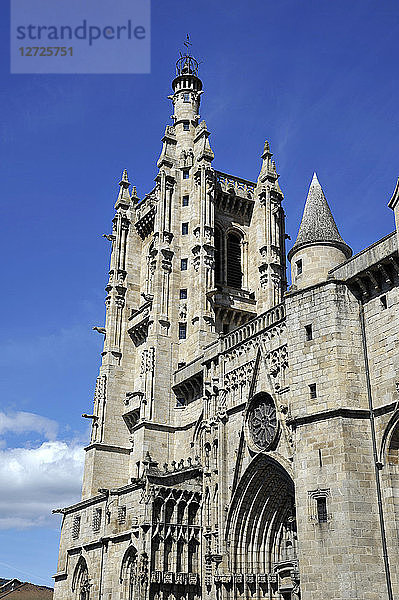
318 225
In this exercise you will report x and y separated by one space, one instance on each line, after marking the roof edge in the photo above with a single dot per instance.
343 246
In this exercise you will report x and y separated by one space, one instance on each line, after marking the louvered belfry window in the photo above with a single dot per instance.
234 271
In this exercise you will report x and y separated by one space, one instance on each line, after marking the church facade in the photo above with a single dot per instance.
245 436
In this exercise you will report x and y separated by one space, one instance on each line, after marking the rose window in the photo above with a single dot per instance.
262 421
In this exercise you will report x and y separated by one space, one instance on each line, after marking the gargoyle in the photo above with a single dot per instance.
100 330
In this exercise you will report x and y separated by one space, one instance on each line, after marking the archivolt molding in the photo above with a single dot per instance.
261 529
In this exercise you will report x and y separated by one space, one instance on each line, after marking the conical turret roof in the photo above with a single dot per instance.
318 225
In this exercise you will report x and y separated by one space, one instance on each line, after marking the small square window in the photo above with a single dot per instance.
312 390
186 125
182 331
185 200
186 97
321 510
183 294
183 264
309 332
184 228
383 301
299 267
180 365
186 173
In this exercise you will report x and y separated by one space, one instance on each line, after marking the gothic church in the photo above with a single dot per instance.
245 436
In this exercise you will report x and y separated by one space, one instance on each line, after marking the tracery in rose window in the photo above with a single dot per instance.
262 421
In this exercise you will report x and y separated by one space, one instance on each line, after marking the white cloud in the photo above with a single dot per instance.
34 481
24 422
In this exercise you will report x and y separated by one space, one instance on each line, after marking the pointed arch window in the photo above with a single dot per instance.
192 556
228 258
218 256
233 263
80 584
390 480
129 577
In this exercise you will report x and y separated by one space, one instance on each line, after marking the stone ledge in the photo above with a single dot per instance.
108 448
346 413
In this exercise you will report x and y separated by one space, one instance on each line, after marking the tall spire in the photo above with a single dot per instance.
318 225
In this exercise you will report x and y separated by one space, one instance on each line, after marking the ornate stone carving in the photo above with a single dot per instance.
147 361
240 376
277 361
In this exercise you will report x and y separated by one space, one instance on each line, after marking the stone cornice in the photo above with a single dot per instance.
108 448
163 426
345 413
81 504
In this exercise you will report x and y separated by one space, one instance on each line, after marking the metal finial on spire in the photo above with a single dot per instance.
186 64
187 44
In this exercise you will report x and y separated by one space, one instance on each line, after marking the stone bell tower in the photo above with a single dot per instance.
158 313
200 254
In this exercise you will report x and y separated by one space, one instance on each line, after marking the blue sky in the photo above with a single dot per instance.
319 79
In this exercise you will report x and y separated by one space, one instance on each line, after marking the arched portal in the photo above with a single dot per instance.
261 528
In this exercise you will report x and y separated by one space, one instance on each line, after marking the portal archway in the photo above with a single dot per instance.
261 528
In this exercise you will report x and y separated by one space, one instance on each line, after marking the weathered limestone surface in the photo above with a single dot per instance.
245 437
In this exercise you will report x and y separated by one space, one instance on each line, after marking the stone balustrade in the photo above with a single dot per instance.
253 327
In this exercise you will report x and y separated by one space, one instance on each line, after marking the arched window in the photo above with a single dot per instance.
393 450
157 511
156 554
167 554
192 558
169 511
180 511
218 256
80 583
234 267
192 513
392 496
180 556
129 573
